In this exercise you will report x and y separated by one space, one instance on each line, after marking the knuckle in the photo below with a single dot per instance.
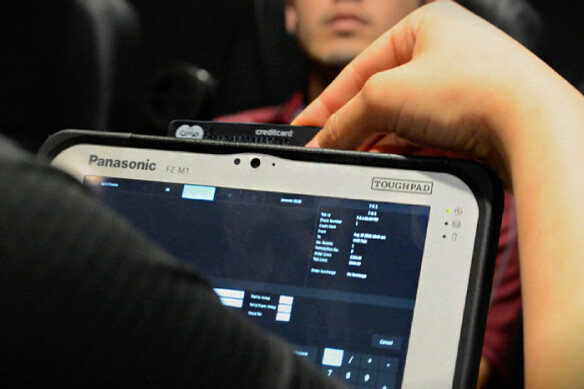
372 92
334 132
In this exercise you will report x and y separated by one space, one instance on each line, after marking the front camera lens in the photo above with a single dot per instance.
255 163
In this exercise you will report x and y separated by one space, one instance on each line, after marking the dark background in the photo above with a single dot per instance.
129 65
564 44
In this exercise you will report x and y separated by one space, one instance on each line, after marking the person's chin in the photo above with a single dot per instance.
341 57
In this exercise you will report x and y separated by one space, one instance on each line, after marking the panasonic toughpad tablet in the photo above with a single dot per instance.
377 268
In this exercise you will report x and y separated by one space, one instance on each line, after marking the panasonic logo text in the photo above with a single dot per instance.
393 185
121 163
274 132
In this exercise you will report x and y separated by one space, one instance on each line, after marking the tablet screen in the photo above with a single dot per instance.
364 270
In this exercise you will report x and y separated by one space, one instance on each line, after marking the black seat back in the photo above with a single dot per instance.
59 64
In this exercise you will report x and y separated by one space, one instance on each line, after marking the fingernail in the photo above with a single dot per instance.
313 143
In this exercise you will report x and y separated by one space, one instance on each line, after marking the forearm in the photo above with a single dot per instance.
544 141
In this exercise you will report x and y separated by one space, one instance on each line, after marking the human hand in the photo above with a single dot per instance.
442 78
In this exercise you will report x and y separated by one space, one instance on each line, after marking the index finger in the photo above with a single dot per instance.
390 50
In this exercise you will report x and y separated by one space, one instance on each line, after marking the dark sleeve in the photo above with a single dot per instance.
85 298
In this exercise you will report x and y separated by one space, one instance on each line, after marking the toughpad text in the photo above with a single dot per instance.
393 185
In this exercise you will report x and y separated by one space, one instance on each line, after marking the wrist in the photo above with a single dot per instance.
537 124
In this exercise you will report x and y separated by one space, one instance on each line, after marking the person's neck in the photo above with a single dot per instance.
319 77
